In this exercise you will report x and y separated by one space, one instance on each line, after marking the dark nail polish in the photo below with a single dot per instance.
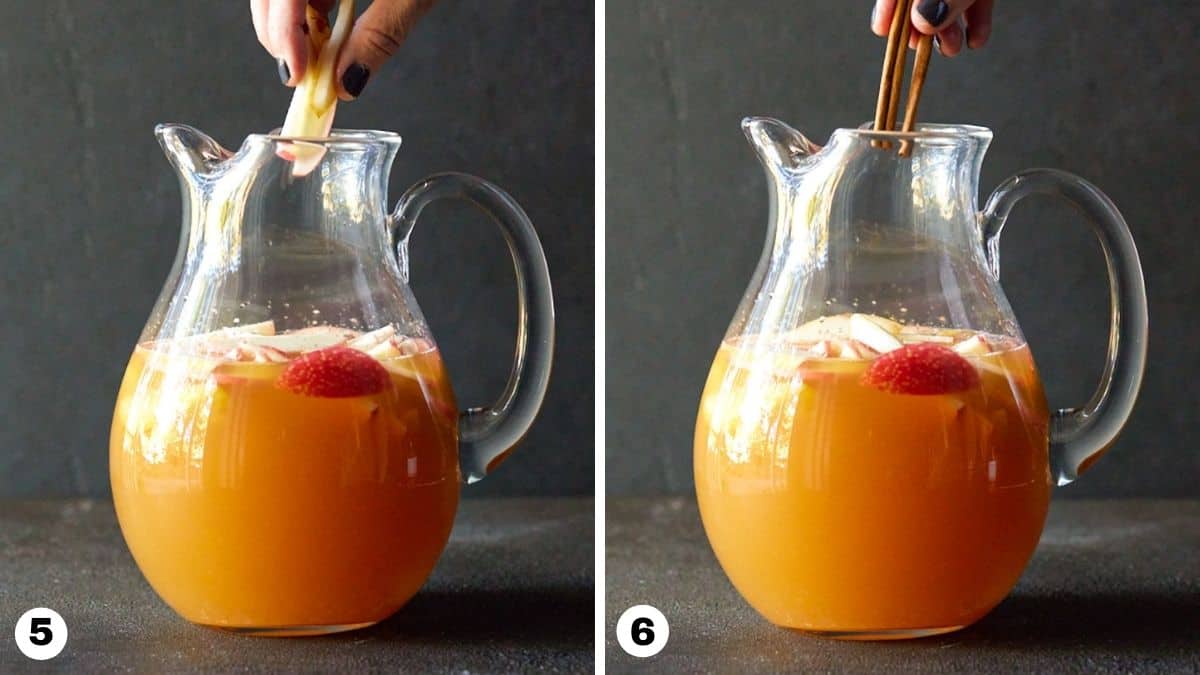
355 78
285 73
933 11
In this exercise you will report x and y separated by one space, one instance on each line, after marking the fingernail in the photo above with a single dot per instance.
285 73
937 44
874 13
933 11
355 78
967 37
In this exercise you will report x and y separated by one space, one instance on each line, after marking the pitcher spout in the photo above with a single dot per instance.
191 151
778 145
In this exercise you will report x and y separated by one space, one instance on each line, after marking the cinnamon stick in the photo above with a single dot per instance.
920 68
898 72
899 22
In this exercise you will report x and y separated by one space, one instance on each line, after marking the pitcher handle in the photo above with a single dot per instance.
1078 436
487 434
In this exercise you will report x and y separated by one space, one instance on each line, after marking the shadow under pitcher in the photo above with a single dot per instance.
874 453
286 451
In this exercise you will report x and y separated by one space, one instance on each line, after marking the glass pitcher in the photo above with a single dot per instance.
874 454
286 450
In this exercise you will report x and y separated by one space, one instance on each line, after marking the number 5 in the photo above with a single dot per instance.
39 631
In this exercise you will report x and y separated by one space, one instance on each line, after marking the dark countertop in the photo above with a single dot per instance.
1113 587
513 592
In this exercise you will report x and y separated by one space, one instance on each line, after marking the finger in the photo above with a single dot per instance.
377 35
258 14
881 17
286 27
933 16
979 23
950 40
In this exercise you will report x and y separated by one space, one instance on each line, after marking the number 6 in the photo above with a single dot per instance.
642 635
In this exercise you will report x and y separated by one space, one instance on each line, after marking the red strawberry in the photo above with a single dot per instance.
924 368
334 372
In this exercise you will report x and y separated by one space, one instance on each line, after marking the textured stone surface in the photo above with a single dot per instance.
686 201
1114 587
91 215
513 592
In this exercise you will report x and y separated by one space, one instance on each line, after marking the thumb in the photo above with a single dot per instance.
376 35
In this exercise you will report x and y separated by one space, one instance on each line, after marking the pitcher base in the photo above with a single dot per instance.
872 635
291 631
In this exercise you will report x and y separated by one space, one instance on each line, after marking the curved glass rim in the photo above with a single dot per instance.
336 138
925 131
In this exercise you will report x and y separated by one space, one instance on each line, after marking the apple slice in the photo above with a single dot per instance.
866 330
890 326
856 350
388 349
826 349
299 342
390 354
912 338
310 114
823 328
230 333
977 348
259 354
976 345
373 338
261 328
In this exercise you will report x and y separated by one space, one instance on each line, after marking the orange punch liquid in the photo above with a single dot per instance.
249 506
837 507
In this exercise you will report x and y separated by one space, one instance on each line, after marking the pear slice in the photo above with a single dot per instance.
866 330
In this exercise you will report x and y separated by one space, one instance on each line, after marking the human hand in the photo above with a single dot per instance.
377 34
940 18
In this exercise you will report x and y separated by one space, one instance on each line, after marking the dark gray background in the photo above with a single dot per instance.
1106 90
91 211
